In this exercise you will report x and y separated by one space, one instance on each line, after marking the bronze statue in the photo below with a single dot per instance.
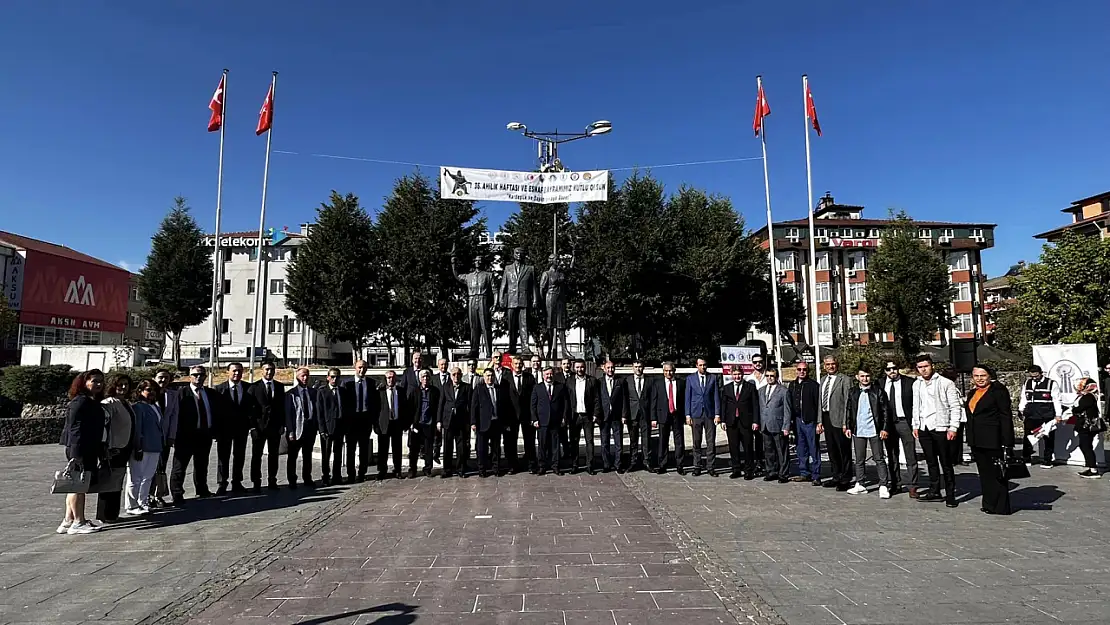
481 298
518 294
554 292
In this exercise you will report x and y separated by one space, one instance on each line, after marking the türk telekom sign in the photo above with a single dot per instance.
66 293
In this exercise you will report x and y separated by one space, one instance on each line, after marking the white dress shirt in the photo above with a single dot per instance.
580 395
894 392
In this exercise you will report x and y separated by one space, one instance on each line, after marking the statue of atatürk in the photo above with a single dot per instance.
518 295
554 292
481 298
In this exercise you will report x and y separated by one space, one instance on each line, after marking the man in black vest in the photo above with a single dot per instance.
1039 404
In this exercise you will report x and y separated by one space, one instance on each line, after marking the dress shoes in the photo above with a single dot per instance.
712 473
221 491
784 480
697 471
913 492
734 475
238 488
842 488
770 477
830 484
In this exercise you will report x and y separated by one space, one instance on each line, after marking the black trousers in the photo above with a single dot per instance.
704 428
302 447
489 453
1086 444
583 424
271 442
108 504
197 452
992 481
775 453
612 439
161 486
456 449
422 442
388 441
358 440
529 434
840 452
231 456
509 435
1027 450
549 446
672 428
938 457
904 438
331 449
639 442
564 439
741 436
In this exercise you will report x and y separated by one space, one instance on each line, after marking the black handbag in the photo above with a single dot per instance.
1012 467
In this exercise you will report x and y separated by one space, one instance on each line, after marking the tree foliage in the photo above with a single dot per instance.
417 230
908 289
1012 332
175 285
36 384
1065 298
9 319
334 284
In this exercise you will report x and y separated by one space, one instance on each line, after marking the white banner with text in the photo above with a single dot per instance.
1066 364
494 185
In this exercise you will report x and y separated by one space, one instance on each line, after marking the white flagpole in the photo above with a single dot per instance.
777 342
258 290
217 268
812 241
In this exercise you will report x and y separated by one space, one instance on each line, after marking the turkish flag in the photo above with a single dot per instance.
811 110
762 109
216 121
266 115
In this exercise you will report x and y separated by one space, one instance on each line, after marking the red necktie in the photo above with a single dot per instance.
670 396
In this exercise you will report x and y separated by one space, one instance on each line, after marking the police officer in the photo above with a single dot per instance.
1039 404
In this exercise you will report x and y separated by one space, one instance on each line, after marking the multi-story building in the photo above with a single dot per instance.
139 332
998 296
845 242
1090 216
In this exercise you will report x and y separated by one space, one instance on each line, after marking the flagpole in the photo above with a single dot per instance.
258 290
777 342
812 240
217 273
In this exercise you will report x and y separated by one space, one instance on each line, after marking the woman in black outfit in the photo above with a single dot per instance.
1088 424
990 435
84 437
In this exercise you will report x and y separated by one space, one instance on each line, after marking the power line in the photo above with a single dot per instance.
406 163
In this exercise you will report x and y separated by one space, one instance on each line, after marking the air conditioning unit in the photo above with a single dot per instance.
975 305
853 305
851 273
944 240
836 305
978 239
794 240
975 271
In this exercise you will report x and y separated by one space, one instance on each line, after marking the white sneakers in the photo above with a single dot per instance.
84 527
64 527
140 511
884 492
858 489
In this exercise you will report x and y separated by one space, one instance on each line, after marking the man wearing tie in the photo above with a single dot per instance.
334 411
195 430
485 404
775 417
834 401
585 409
614 413
498 370
535 368
231 440
426 404
169 403
453 424
702 410
410 380
471 376
669 395
740 405
363 391
517 387
267 427
301 425
390 425
548 409
440 379
899 394
563 375
640 411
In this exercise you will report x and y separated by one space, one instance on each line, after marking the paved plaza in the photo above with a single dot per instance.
634 549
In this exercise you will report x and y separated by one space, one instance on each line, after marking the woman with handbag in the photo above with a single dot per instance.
1089 424
990 435
85 436
148 448
120 432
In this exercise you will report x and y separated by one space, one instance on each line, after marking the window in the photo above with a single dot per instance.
277 287
41 335
784 261
977 234
227 287
874 234
857 261
925 233
860 234
963 323
133 320
858 323
834 233
824 324
957 261
857 292
822 261
250 286
134 293
252 254
793 233
947 233
821 233
274 326
248 326
789 286
225 326
823 291
963 291
282 254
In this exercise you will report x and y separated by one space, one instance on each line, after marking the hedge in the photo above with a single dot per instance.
36 384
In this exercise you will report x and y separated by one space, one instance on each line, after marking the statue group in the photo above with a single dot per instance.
519 294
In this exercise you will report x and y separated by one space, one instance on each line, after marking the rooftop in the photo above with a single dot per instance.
54 249
1090 221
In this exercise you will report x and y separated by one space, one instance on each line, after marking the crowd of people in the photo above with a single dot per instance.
122 425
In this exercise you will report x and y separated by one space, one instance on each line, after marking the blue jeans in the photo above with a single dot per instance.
809 450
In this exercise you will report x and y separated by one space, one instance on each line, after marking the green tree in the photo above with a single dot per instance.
908 289
1065 298
417 230
175 285
335 283
1012 332
9 320
533 228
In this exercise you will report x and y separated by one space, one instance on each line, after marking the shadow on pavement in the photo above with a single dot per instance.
405 617
1035 497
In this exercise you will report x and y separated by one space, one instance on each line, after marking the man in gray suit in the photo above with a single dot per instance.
833 403
519 292
775 417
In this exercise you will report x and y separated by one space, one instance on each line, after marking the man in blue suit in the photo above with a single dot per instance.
549 409
702 409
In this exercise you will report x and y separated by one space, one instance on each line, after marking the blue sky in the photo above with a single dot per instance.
985 111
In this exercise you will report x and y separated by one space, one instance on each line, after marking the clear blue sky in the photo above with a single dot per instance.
984 111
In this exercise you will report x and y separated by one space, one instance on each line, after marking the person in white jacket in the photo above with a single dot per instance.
936 420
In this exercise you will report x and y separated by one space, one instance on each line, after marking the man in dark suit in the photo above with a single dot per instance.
740 411
239 408
410 377
562 375
517 387
198 421
585 411
334 411
267 426
899 394
613 415
301 425
805 404
390 426
363 393
440 378
426 404
640 415
669 406
486 403
169 403
702 411
548 409
453 424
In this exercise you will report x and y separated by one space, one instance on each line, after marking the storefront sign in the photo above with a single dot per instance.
67 293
